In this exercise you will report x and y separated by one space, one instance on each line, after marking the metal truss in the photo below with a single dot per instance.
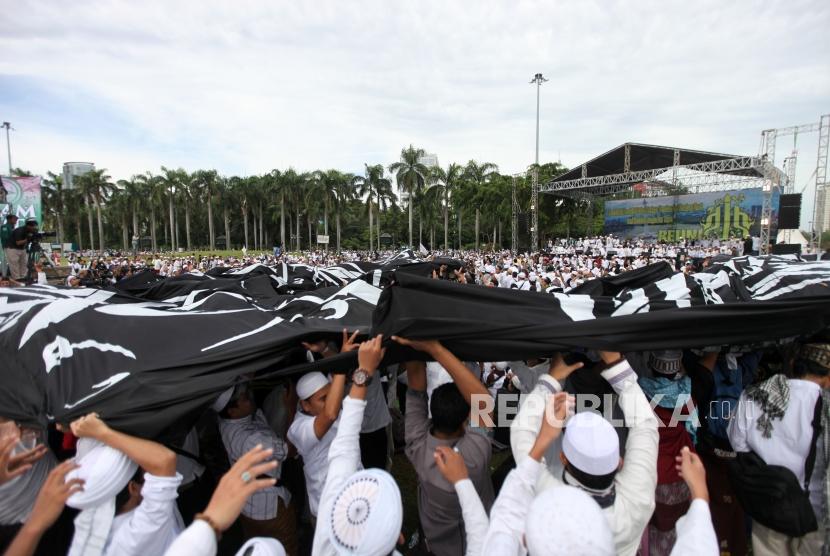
612 183
819 209
790 164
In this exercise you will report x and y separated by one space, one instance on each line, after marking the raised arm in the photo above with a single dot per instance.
451 465
528 422
151 456
509 512
636 481
344 453
416 375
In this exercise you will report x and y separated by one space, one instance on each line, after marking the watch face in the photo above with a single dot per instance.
359 377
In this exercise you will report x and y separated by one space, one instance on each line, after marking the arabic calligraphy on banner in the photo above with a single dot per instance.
721 215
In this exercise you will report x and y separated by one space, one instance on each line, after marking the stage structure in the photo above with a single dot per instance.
769 138
655 171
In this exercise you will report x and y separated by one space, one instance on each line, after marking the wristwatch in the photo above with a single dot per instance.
361 377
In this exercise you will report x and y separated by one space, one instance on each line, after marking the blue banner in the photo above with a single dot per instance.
722 215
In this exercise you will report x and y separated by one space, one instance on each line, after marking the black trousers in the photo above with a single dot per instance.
373 446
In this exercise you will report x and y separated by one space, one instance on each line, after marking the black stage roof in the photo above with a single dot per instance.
646 157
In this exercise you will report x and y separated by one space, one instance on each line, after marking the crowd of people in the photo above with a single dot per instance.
560 266
707 451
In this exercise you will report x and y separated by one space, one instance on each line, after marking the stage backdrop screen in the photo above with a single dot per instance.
23 198
722 215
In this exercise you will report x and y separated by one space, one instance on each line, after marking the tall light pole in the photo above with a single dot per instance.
534 192
8 126
538 79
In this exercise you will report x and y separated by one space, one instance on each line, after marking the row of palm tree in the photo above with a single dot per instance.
250 209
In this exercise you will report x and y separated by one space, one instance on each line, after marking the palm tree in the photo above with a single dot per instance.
206 182
344 191
447 181
97 186
368 185
411 175
54 198
74 204
187 189
133 191
151 189
478 175
171 179
118 208
226 195
386 198
85 188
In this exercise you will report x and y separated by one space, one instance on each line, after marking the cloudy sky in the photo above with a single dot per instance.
245 87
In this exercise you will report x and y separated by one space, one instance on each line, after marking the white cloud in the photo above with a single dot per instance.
249 86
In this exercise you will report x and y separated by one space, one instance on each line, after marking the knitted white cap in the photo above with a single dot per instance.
565 520
366 515
591 444
310 383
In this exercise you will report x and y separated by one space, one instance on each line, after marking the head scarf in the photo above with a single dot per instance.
105 472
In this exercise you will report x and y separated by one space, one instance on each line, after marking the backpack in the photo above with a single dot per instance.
772 495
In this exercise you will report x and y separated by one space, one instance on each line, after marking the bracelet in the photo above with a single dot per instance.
210 522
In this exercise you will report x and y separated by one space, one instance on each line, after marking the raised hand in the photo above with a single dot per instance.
691 469
451 464
237 485
559 408
426 346
89 426
560 370
54 493
11 465
370 354
349 343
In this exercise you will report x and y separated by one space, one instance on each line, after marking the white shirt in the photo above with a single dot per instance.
635 483
789 444
153 525
315 453
505 533
695 532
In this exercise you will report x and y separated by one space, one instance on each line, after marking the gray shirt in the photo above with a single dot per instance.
438 506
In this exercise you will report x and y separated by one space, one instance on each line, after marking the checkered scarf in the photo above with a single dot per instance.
772 396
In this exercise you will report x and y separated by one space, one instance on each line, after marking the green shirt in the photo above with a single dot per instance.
5 233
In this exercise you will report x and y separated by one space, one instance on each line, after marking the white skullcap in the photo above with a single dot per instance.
567 518
532 276
366 515
310 383
501 365
522 276
223 400
591 444
262 546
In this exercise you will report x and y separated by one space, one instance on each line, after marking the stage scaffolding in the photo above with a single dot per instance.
707 172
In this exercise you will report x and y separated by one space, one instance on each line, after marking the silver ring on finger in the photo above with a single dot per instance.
246 477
